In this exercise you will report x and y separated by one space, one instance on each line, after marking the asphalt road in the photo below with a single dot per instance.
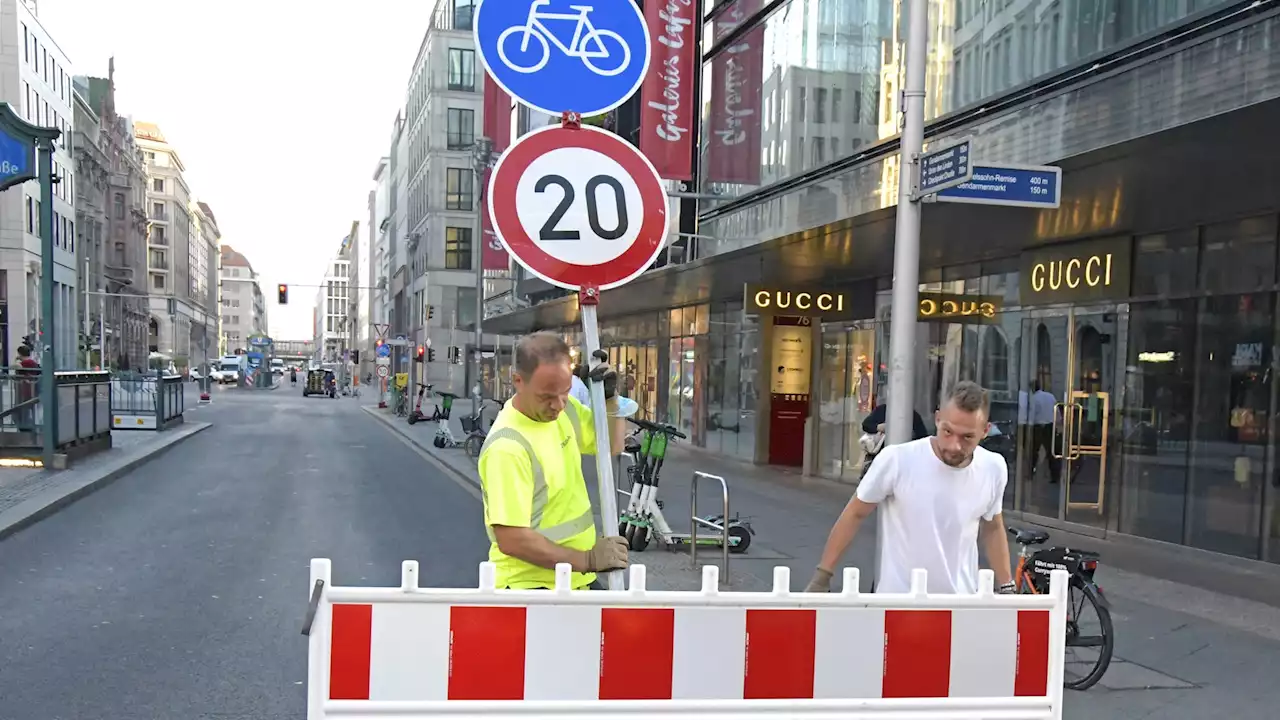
179 591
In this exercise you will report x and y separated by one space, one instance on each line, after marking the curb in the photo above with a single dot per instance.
440 464
27 517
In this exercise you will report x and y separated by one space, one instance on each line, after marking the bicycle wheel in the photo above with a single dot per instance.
1097 647
474 444
540 54
601 52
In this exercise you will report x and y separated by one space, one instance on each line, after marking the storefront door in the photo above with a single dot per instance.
1067 405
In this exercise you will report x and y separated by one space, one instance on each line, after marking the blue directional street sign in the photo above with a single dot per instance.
556 56
1038 186
17 160
944 168
384 350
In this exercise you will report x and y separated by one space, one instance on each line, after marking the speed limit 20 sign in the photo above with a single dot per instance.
578 207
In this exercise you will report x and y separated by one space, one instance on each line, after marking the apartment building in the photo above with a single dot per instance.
333 331
111 226
182 320
377 256
244 308
443 110
35 79
207 242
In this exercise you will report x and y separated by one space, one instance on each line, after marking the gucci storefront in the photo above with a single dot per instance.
1133 380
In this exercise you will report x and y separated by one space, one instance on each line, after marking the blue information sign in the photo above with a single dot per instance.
1038 186
384 350
944 168
556 56
17 158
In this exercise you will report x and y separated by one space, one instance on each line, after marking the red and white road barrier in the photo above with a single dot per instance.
413 652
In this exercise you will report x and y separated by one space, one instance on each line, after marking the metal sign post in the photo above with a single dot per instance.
584 210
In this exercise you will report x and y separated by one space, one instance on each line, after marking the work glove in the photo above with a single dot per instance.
609 553
820 583
602 372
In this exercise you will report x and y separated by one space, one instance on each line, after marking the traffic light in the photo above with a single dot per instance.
355 356
431 355
422 353
283 291
431 311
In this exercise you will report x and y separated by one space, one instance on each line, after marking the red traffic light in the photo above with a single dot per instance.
422 352
282 292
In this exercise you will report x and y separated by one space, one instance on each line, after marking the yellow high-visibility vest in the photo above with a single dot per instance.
531 476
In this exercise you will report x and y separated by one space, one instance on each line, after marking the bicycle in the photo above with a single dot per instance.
583 33
473 426
1031 577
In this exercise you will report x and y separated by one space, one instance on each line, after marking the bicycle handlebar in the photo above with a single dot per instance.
658 427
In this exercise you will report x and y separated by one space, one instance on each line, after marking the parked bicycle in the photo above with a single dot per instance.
1031 577
473 426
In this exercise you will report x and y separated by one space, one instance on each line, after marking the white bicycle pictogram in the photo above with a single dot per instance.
587 44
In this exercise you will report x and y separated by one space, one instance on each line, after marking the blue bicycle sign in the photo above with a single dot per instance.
586 56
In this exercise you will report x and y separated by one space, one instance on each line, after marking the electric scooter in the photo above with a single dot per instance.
643 518
416 415
444 436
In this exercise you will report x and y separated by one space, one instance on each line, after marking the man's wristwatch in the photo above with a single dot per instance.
1006 589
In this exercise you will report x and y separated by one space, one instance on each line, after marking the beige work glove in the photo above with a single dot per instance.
821 582
609 553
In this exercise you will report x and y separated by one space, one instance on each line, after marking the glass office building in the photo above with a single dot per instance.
1146 305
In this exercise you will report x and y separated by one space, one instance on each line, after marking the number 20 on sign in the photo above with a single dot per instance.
579 207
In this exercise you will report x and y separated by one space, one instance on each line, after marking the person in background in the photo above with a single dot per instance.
580 391
28 381
938 498
1040 418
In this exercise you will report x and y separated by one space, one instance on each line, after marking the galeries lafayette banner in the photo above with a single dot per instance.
733 124
667 101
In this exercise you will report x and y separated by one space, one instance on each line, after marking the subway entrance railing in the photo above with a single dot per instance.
84 414
147 401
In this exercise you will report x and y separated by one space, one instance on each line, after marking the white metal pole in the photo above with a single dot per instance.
906 256
906 246
604 453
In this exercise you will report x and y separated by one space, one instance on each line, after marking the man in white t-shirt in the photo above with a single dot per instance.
938 497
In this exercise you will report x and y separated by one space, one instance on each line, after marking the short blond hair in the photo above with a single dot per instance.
970 397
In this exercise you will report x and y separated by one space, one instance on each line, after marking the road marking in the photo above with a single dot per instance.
458 479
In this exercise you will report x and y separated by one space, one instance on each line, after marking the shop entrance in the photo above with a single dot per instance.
1067 404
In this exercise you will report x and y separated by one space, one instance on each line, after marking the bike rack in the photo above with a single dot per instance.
695 521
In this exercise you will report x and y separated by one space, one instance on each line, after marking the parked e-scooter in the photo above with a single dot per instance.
643 516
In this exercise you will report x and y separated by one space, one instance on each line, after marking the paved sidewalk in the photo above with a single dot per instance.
1193 653
30 495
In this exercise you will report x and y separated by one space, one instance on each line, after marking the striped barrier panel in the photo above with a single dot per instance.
412 652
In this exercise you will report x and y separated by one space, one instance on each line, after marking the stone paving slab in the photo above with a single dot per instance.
28 496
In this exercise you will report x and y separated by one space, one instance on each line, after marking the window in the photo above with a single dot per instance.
26 44
157 211
31 216
157 185
820 106
463 11
459 189
157 282
462 128
118 208
158 238
462 69
457 248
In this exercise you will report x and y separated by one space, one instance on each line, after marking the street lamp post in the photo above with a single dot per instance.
480 161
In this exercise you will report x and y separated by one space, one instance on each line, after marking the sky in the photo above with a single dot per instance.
279 109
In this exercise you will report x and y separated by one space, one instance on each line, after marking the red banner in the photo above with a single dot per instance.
497 127
737 75
667 102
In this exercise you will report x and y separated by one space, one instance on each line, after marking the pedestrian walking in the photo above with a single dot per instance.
938 498
536 508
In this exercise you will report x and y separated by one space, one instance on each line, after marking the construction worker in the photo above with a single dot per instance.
536 508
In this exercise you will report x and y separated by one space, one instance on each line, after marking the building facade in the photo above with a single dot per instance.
36 82
378 258
178 256
244 308
111 228
1164 363
333 332
443 108
206 241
